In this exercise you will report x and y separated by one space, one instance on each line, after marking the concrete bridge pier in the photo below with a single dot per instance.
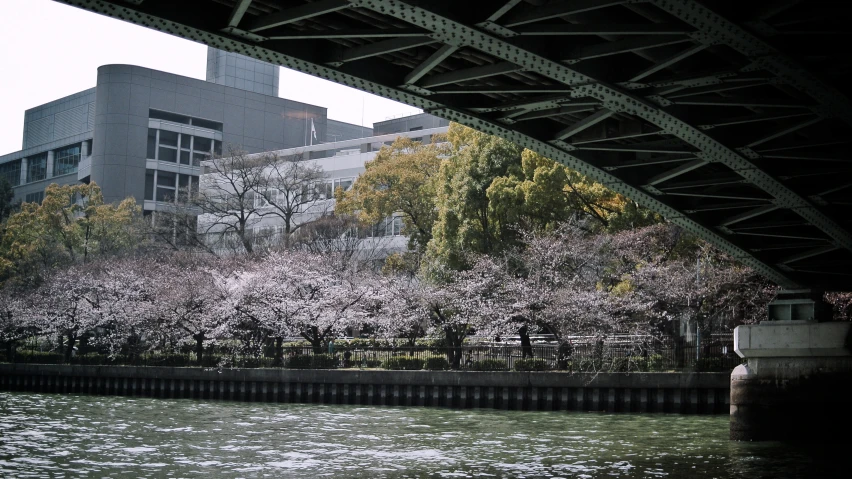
797 383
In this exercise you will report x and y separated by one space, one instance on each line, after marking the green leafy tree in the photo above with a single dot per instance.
464 223
71 225
7 203
398 180
490 190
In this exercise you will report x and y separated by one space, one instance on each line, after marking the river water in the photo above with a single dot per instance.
44 435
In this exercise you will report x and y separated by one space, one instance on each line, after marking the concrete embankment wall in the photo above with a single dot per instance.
688 393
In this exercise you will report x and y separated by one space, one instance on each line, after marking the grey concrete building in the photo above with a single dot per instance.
421 121
239 71
143 133
340 131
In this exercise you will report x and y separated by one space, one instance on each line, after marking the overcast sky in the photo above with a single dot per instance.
49 50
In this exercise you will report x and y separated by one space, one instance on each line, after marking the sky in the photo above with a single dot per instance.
49 50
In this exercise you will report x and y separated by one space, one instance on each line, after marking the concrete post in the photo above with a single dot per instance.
84 150
50 164
23 171
796 384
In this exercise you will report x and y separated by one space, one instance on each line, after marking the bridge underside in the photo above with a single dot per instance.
731 119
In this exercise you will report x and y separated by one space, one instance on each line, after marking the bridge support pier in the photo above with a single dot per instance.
797 384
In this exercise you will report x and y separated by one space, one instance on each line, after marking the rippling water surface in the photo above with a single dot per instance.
43 435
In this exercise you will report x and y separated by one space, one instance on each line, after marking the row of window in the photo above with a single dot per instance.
387 227
165 186
184 119
174 147
65 161
317 191
36 197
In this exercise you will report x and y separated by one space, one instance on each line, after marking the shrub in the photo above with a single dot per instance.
712 364
316 361
404 363
39 357
436 363
489 365
92 359
434 343
250 362
653 362
166 359
532 364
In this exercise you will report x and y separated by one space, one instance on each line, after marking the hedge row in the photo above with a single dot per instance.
324 361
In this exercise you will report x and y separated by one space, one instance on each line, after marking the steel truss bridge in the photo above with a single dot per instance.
732 119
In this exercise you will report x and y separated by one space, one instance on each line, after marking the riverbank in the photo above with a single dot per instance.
686 393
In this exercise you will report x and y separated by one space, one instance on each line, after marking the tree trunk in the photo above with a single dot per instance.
454 348
526 345
69 348
199 347
313 336
279 351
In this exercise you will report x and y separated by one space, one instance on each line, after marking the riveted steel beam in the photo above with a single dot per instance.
750 119
556 10
748 215
701 183
808 254
504 9
654 161
786 131
237 14
466 37
523 115
741 101
669 150
675 172
434 60
295 14
381 48
521 90
336 34
583 124
805 146
719 197
668 62
624 136
451 32
467 74
567 29
715 28
630 44
545 101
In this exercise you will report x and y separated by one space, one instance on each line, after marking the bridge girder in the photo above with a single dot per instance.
697 112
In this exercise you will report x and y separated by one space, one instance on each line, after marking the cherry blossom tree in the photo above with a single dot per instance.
13 324
189 292
66 305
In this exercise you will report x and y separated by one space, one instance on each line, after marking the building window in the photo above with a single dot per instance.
149 184
168 186
185 120
36 197
166 182
66 160
12 172
174 147
391 226
152 144
37 167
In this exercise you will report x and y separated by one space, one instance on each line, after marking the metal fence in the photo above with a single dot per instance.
710 353
578 354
